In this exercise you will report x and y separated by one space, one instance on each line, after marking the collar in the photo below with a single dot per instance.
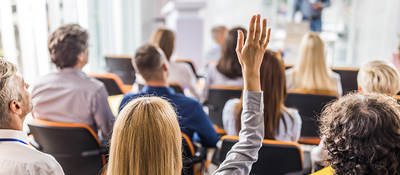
158 89
13 134
70 70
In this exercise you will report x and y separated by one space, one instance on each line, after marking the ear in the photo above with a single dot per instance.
359 89
16 107
165 67
81 57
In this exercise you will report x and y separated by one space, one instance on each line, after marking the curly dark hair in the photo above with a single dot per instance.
66 43
362 134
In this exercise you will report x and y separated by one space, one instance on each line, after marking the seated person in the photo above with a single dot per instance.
180 73
373 77
218 34
147 128
151 63
227 71
311 72
69 95
16 155
281 123
362 135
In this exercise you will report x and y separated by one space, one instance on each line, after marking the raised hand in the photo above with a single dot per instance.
251 54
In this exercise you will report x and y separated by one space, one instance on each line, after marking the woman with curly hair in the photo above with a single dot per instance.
362 135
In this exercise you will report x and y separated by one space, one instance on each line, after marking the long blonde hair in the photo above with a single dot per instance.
146 139
311 72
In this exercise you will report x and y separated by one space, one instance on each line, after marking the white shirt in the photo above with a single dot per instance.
214 77
182 74
19 158
292 134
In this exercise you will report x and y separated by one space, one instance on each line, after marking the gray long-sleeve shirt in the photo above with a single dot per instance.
243 154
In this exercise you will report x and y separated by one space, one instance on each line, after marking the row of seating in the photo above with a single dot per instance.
79 150
121 66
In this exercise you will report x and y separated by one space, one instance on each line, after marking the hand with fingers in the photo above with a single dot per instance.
251 54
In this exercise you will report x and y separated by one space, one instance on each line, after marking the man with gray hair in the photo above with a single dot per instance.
16 155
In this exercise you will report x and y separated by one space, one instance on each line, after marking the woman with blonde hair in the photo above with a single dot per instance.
179 73
378 77
311 72
373 77
146 138
146 131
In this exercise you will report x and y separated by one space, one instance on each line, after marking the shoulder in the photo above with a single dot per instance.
334 75
288 72
326 171
295 114
42 159
230 104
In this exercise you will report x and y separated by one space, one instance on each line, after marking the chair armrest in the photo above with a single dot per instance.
200 156
95 152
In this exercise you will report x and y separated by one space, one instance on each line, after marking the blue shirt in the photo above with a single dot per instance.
192 119
305 6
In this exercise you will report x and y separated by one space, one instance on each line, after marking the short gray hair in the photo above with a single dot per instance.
7 92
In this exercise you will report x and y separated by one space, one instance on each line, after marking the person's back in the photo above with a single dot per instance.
16 155
281 123
227 71
69 95
311 72
61 96
152 65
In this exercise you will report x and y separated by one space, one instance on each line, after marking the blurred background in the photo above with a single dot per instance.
354 31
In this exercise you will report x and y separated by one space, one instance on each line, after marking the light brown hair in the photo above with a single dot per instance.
146 139
66 43
164 39
273 84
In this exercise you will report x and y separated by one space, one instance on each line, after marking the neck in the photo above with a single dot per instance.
157 83
15 123
78 66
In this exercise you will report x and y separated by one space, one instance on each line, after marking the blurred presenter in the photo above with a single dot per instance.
312 10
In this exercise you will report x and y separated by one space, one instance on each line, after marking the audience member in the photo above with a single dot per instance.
280 122
311 72
180 73
16 155
151 63
227 71
69 95
362 135
378 77
146 138
373 77
218 34
312 12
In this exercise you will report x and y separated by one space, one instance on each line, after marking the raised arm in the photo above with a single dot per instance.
244 153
